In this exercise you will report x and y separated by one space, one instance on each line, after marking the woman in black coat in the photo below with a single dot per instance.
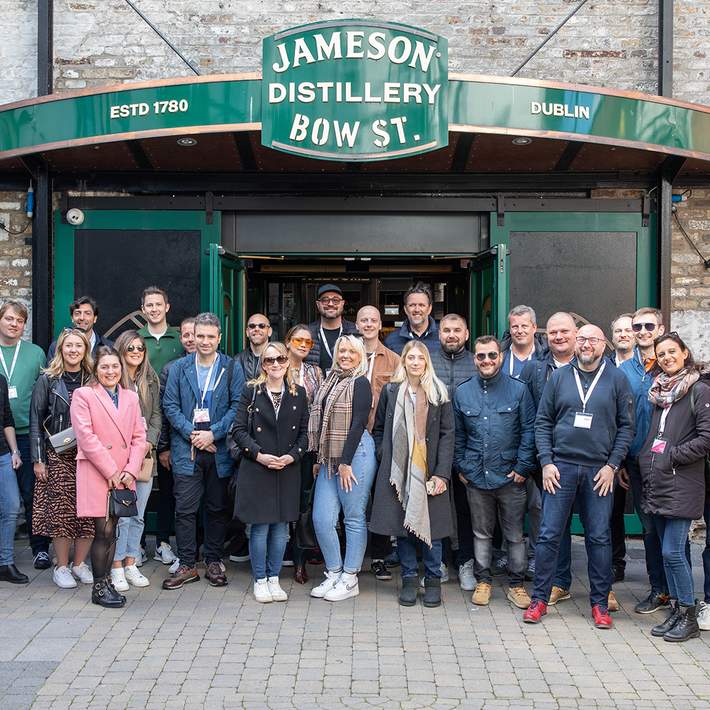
269 478
414 436
672 462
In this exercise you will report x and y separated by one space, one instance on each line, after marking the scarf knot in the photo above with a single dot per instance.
667 389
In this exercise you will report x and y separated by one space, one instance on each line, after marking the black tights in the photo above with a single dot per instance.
103 547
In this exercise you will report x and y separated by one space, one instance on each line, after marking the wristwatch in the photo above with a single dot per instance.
615 469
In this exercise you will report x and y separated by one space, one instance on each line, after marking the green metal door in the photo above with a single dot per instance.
226 289
488 284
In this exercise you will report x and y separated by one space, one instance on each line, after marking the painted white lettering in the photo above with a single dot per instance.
411 92
376 40
285 64
547 109
398 123
320 132
114 112
354 44
535 107
328 49
369 98
349 97
277 93
306 92
391 92
379 128
431 92
399 55
422 55
301 52
299 127
345 133
558 109
584 112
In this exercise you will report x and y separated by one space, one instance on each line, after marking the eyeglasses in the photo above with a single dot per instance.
581 340
336 300
650 327
302 341
280 359
260 326
493 355
135 348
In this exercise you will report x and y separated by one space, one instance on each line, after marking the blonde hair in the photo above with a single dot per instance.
434 389
262 377
145 373
356 343
56 366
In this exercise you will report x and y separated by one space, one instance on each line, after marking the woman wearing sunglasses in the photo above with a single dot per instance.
672 462
346 454
54 505
299 343
271 429
414 435
137 375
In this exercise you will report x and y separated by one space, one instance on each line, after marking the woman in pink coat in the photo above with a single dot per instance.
110 437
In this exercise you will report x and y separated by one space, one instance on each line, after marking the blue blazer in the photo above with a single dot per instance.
182 395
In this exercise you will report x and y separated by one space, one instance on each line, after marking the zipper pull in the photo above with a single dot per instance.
674 470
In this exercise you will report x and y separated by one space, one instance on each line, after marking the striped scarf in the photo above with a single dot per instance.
667 389
408 471
330 417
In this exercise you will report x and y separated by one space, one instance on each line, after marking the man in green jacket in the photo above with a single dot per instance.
162 341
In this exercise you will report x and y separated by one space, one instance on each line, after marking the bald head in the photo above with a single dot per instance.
561 331
590 350
369 323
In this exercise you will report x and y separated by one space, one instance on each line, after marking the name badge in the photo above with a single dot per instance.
658 446
583 420
201 416
12 392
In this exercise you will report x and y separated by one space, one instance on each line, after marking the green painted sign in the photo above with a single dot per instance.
354 90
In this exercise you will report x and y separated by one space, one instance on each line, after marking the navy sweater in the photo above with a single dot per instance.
611 403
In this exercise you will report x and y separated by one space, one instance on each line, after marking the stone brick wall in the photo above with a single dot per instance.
690 283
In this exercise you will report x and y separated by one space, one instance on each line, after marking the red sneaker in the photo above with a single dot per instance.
602 619
534 613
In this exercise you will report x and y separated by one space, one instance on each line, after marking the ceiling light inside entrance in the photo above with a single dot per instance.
186 142
522 140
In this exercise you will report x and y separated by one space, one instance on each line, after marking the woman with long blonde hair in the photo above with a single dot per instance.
271 429
54 502
414 435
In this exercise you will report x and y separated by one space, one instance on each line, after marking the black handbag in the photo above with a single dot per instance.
305 533
122 503
235 451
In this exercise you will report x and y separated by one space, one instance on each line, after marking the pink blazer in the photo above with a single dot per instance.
108 440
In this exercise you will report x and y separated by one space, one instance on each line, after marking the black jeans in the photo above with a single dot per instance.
464 529
307 482
618 529
507 504
26 483
103 547
165 508
189 491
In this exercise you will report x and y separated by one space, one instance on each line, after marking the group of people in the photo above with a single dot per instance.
414 443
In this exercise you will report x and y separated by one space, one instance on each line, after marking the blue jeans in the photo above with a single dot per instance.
9 509
267 544
329 498
706 552
129 530
673 537
576 482
431 556
563 573
651 542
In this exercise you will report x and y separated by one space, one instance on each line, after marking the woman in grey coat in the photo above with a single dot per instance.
414 437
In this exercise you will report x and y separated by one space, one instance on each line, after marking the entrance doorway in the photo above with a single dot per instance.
285 289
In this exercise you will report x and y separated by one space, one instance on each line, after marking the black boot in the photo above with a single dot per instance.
432 591
671 620
104 594
114 591
10 573
686 626
408 594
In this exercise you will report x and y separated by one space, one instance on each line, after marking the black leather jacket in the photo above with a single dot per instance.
49 408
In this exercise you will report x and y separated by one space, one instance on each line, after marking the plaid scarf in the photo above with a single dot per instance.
408 470
330 417
667 389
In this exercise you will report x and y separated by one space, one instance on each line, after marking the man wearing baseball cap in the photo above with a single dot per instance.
329 327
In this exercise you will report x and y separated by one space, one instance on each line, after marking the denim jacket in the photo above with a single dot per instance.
179 401
494 430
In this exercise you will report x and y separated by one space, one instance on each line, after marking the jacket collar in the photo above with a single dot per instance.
490 380
458 355
106 402
191 372
406 332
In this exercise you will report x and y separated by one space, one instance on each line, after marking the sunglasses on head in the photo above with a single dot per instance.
492 355
135 348
302 341
650 327
254 326
280 359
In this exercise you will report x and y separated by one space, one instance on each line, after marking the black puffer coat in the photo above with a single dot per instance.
674 481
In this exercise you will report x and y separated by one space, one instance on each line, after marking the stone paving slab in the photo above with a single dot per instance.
217 648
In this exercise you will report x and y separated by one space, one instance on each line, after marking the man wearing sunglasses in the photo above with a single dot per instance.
583 429
493 455
326 330
258 333
641 370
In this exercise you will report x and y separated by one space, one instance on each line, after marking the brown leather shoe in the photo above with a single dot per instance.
183 575
612 603
215 575
300 574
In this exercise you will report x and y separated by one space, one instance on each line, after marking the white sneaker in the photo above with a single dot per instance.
346 587
63 578
277 594
174 566
118 579
331 579
133 576
444 576
262 591
467 580
83 573
164 553
703 616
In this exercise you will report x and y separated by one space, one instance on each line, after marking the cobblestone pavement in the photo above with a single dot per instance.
205 647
